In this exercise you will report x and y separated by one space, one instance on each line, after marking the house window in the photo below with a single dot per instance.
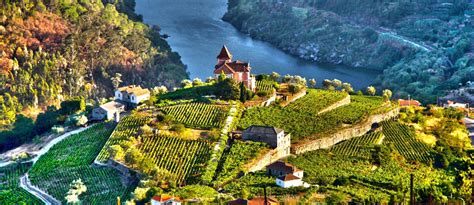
133 98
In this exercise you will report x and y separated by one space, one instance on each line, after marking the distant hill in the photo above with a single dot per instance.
423 47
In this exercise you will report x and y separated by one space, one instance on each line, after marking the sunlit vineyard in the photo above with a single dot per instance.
404 141
127 127
10 191
185 159
71 159
301 119
358 146
198 115
234 160
265 86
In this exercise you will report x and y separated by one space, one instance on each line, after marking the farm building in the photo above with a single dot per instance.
132 95
108 110
281 168
289 180
275 137
287 174
255 201
165 200
237 70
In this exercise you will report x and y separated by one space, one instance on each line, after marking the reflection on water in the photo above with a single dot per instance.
197 33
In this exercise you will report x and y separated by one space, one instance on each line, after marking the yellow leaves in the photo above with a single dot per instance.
427 139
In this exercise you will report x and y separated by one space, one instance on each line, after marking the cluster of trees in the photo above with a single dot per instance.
50 50
24 129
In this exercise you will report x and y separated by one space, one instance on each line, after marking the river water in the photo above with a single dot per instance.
197 33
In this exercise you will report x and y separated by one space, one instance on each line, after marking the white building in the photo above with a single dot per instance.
165 200
289 180
132 95
287 174
456 105
108 110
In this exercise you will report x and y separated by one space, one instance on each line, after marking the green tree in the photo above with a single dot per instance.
371 90
293 88
116 152
227 89
73 105
312 83
186 83
116 80
327 83
46 120
387 94
133 156
275 76
336 83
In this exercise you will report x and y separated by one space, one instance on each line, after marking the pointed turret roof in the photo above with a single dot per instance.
224 54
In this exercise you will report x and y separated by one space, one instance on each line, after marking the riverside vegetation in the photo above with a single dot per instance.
424 48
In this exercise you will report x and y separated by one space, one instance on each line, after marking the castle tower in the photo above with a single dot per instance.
224 56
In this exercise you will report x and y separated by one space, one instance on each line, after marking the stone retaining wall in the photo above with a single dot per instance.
262 162
340 103
343 133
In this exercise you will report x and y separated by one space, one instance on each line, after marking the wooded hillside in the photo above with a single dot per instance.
51 50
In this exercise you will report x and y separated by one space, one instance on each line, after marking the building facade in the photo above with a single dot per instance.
237 70
132 95
274 137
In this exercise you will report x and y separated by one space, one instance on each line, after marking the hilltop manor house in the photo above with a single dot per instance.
237 70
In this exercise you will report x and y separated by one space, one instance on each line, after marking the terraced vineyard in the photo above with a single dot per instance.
127 127
71 159
185 159
301 119
264 86
403 138
198 115
10 191
358 146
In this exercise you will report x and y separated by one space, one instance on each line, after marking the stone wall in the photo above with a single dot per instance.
129 176
343 133
263 161
340 103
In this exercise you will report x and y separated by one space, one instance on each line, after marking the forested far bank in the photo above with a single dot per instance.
424 48
52 50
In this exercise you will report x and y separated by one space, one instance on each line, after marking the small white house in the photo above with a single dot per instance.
289 180
165 200
132 94
456 104
108 110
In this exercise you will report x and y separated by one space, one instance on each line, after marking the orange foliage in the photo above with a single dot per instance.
45 30
6 65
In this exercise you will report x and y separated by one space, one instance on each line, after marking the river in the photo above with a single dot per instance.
197 33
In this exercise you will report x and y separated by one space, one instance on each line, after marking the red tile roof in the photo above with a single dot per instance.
233 67
288 177
224 54
402 102
283 166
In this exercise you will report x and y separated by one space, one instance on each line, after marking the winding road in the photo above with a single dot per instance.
25 183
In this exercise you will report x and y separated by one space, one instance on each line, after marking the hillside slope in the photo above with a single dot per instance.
50 50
